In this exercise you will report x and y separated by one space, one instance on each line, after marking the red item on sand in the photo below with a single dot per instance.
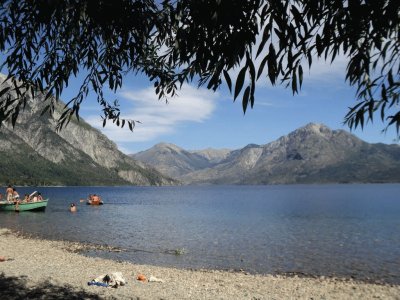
142 278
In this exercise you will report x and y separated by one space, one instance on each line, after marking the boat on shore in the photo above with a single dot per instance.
24 206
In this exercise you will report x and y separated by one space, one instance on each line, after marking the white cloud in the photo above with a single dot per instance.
156 117
265 103
322 70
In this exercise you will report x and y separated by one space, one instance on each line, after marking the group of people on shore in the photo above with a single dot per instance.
12 196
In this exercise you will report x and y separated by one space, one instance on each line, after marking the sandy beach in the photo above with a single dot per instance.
43 269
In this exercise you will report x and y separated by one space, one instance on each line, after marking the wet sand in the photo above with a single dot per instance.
44 269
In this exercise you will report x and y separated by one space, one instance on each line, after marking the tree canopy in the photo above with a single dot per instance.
45 43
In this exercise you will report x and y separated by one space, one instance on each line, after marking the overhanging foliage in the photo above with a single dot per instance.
46 42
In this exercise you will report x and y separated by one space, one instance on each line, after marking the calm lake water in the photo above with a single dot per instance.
330 230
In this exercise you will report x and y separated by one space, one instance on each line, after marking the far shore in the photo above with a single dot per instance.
36 268
204 184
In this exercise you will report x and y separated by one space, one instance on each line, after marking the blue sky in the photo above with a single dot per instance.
199 119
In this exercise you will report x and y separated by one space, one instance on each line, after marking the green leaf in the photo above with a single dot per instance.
228 80
245 100
45 109
240 81
262 65
5 90
265 38
383 111
390 78
15 116
318 43
300 75
294 82
252 70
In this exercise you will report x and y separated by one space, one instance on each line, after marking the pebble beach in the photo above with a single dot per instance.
32 268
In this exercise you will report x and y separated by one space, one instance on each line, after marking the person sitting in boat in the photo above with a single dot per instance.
15 195
9 193
39 197
26 198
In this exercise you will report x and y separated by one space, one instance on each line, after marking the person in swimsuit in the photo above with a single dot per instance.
15 195
9 193
26 198
72 208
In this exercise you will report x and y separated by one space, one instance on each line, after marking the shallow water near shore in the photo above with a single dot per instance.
322 230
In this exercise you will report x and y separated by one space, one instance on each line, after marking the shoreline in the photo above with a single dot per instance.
82 248
46 268
213 184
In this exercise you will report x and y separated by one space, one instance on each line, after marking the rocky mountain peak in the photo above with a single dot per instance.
312 133
78 155
250 146
312 129
311 154
167 147
316 128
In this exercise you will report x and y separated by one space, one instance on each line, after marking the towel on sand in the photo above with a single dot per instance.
114 280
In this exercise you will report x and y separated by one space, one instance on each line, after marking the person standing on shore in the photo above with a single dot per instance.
9 193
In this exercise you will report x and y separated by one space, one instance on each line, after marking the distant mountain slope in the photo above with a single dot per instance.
213 156
311 154
34 153
172 160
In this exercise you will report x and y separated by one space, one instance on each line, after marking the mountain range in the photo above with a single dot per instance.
311 154
34 153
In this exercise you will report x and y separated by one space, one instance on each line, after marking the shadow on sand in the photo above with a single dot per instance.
17 288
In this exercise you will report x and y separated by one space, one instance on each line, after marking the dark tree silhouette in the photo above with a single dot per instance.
17 288
46 42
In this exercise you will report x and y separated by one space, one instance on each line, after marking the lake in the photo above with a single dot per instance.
330 230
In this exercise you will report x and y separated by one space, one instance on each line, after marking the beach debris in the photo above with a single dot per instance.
177 252
97 283
3 258
112 280
78 247
155 279
180 251
141 278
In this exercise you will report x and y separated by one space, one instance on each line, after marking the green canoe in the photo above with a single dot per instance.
26 206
